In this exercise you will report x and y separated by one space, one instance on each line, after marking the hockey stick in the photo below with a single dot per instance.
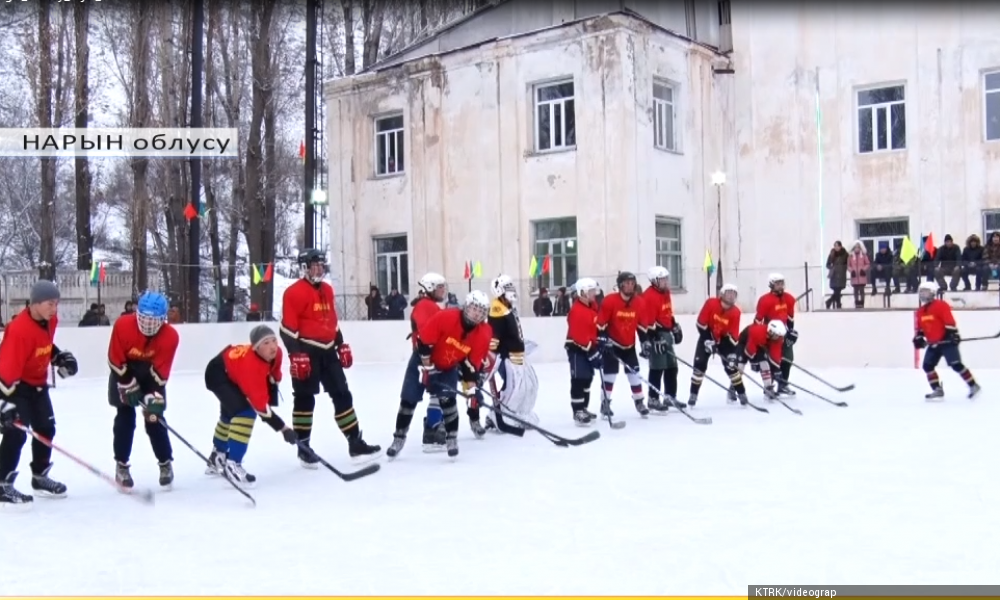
775 399
605 399
720 385
700 421
204 458
556 439
145 496
981 338
815 395
845 388
351 476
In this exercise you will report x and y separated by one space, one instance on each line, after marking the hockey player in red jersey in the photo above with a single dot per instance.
662 332
583 349
779 305
26 352
619 320
761 346
937 331
318 356
452 345
718 333
244 378
435 290
141 355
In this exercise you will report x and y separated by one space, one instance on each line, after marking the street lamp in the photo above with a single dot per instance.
318 198
719 180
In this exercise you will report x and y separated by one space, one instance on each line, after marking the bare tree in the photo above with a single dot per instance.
81 97
43 85
140 116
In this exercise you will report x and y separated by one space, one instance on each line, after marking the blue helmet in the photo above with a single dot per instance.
151 312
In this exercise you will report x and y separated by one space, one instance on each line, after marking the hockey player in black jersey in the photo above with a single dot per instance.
519 388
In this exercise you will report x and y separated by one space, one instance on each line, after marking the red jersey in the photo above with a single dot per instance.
772 307
132 355
659 308
309 317
26 352
451 344
755 340
582 326
621 318
722 324
423 310
934 320
252 374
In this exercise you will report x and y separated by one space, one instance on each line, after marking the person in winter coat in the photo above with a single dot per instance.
562 304
836 264
972 262
882 268
909 273
542 306
991 259
396 305
859 266
947 261
375 305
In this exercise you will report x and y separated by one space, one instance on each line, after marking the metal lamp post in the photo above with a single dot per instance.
719 180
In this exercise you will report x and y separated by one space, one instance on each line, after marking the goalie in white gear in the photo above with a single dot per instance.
519 389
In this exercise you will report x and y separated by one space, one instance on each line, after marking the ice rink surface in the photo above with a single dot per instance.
891 490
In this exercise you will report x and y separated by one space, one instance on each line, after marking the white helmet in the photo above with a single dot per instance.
476 307
728 293
503 287
775 278
431 281
585 284
926 292
777 329
657 272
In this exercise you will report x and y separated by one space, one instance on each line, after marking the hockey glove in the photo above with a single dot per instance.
951 336
130 393
425 374
604 340
8 415
299 366
646 349
66 365
153 407
345 355
596 360
290 436
791 337
677 333
919 341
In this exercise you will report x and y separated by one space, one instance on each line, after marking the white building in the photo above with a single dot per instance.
591 136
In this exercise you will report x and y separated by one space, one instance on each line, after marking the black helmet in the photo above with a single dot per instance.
309 256
624 276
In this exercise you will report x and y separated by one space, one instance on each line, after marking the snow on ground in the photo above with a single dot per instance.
891 490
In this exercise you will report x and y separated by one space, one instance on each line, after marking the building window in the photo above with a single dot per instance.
991 105
555 243
669 251
881 119
392 267
555 117
664 116
389 145
883 232
991 223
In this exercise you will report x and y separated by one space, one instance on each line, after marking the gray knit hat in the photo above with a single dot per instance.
43 291
259 334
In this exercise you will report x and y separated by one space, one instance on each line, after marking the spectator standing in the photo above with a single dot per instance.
542 306
396 305
859 266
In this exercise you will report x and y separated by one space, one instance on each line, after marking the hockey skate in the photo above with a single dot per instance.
451 443
656 406
10 498
217 462
770 394
477 430
593 416
434 438
974 390
640 407
490 425
307 458
606 408
46 487
123 475
398 441
692 400
166 475
731 395
238 475
743 400
935 395
582 418
362 452
784 390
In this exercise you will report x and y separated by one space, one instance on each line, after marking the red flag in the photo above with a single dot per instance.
468 271
190 212
269 273
929 245
546 264
302 151
102 274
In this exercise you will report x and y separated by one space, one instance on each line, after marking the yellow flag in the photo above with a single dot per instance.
533 267
709 266
908 252
477 271
256 274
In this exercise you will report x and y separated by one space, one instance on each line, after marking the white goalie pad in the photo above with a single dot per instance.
520 391
529 347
